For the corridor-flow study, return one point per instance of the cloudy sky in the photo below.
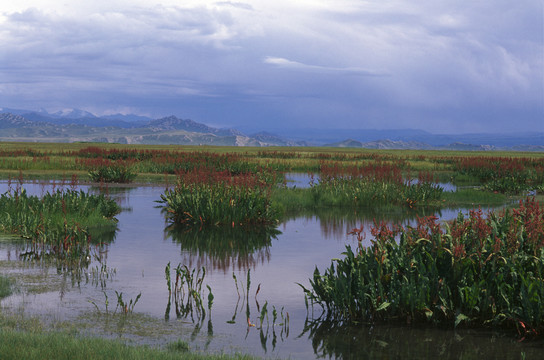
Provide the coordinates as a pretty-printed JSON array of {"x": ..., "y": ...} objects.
[{"x": 444, "y": 66}]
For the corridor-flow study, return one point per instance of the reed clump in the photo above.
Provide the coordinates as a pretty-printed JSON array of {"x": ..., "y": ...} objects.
[
  {"x": 60, "y": 223},
  {"x": 112, "y": 172},
  {"x": 206, "y": 197},
  {"x": 503, "y": 174},
  {"x": 376, "y": 184},
  {"x": 474, "y": 271}
]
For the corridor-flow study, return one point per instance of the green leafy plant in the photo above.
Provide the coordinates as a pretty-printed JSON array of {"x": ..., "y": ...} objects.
[
  {"x": 127, "y": 307},
  {"x": 475, "y": 271}
]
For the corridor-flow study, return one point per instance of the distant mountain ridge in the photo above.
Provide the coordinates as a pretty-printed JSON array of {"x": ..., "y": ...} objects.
[
  {"x": 173, "y": 123},
  {"x": 78, "y": 125},
  {"x": 36, "y": 126},
  {"x": 8, "y": 120},
  {"x": 382, "y": 144}
]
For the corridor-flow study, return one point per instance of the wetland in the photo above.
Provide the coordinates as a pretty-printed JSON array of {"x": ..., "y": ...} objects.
[{"x": 237, "y": 288}]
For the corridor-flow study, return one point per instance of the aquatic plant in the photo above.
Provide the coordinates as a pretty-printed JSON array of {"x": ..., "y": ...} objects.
[
  {"x": 5, "y": 286},
  {"x": 279, "y": 320},
  {"x": 109, "y": 172},
  {"x": 378, "y": 184},
  {"x": 187, "y": 293},
  {"x": 475, "y": 271},
  {"x": 503, "y": 174},
  {"x": 216, "y": 198},
  {"x": 127, "y": 307},
  {"x": 99, "y": 275},
  {"x": 61, "y": 223}
]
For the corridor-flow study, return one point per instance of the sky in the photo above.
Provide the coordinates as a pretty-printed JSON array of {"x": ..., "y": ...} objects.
[{"x": 443, "y": 66}]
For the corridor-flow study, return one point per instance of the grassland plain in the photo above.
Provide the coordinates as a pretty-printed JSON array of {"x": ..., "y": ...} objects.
[{"x": 56, "y": 159}]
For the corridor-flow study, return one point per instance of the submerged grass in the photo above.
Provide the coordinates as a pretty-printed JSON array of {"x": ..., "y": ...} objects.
[{"x": 5, "y": 286}]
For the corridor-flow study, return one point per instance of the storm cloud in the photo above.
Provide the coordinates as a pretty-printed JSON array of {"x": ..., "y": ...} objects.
[{"x": 440, "y": 66}]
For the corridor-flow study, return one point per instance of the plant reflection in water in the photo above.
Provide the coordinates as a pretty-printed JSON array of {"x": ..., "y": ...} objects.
[
  {"x": 337, "y": 340},
  {"x": 223, "y": 248}
]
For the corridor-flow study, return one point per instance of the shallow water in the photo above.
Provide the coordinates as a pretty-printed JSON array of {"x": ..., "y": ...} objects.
[{"x": 142, "y": 247}]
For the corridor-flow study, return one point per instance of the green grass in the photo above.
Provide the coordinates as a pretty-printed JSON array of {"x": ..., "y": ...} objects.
[
  {"x": 23, "y": 337},
  {"x": 5, "y": 286},
  {"x": 473, "y": 197},
  {"x": 52, "y": 345},
  {"x": 357, "y": 194},
  {"x": 66, "y": 158}
]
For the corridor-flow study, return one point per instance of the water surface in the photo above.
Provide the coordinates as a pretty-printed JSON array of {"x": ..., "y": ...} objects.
[{"x": 144, "y": 245}]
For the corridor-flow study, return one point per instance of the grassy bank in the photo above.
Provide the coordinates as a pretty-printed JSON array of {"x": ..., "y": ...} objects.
[
  {"x": 51, "y": 345},
  {"x": 23, "y": 337}
]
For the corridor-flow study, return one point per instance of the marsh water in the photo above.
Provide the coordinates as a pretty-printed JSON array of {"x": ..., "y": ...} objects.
[{"x": 132, "y": 261}]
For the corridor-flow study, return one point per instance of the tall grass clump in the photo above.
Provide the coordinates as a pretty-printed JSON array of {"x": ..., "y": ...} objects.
[
  {"x": 112, "y": 172},
  {"x": 61, "y": 223},
  {"x": 203, "y": 197},
  {"x": 376, "y": 184},
  {"x": 503, "y": 174},
  {"x": 476, "y": 271}
]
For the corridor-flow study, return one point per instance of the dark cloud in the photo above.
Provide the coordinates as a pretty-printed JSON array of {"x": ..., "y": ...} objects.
[{"x": 438, "y": 66}]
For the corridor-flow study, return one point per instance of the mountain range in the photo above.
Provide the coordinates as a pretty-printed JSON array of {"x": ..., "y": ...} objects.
[{"x": 78, "y": 125}]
